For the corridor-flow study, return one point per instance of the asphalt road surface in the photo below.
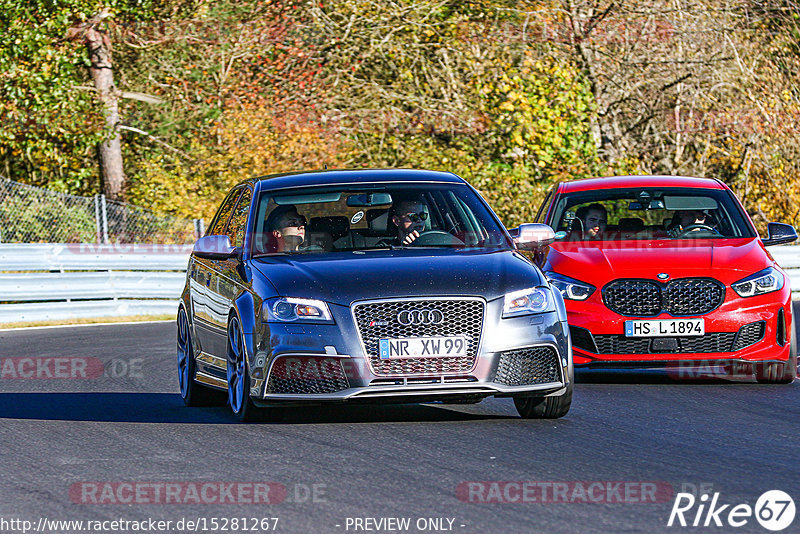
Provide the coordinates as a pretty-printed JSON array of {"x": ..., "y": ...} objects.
[{"x": 116, "y": 443}]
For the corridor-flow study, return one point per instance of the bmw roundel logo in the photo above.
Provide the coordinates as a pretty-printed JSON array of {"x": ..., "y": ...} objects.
[{"x": 663, "y": 276}]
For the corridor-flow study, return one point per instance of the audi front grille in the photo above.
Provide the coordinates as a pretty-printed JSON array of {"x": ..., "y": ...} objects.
[
  {"x": 648, "y": 298},
  {"x": 426, "y": 317}
]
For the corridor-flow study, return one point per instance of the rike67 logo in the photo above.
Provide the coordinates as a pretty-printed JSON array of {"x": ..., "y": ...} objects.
[{"x": 774, "y": 510}]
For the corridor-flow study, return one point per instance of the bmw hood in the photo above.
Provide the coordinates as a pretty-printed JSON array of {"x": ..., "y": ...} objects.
[
  {"x": 726, "y": 260},
  {"x": 341, "y": 278}
]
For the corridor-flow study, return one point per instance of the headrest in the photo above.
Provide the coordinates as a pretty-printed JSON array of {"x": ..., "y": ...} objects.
[
  {"x": 336, "y": 225},
  {"x": 378, "y": 219},
  {"x": 631, "y": 224}
]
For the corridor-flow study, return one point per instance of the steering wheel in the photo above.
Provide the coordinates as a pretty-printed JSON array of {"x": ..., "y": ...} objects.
[
  {"x": 311, "y": 248},
  {"x": 436, "y": 238},
  {"x": 698, "y": 227}
]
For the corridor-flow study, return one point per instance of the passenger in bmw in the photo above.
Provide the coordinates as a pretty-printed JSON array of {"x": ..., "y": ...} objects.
[
  {"x": 287, "y": 229},
  {"x": 593, "y": 219}
]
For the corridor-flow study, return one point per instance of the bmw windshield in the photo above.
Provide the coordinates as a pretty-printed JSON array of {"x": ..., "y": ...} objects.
[
  {"x": 359, "y": 217},
  {"x": 649, "y": 213}
]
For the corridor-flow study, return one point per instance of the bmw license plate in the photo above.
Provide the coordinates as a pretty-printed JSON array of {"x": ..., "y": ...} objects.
[
  {"x": 422, "y": 347},
  {"x": 665, "y": 328}
]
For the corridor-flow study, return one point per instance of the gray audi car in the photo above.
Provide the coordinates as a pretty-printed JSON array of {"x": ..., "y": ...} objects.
[{"x": 369, "y": 286}]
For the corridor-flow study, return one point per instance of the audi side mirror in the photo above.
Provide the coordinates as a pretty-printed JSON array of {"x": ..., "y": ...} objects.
[
  {"x": 533, "y": 236},
  {"x": 214, "y": 247},
  {"x": 779, "y": 233}
]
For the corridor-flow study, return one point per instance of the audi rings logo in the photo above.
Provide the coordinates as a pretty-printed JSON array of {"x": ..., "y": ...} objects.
[{"x": 418, "y": 317}]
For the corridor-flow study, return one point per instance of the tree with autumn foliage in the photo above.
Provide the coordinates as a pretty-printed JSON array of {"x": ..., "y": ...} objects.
[{"x": 511, "y": 95}]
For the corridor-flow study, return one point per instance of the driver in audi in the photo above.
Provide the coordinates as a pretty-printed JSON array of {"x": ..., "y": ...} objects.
[{"x": 409, "y": 217}]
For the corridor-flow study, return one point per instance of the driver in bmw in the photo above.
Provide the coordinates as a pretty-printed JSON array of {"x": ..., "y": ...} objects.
[
  {"x": 688, "y": 219},
  {"x": 409, "y": 217}
]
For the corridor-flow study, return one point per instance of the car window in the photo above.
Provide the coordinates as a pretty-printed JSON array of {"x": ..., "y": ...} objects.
[
  {"x": 649, "y": 213},
  {"x": 542, "y": 213},
  {"x": 238, "y": 221},
  {"x": 220, "y": 220},
  {"x": 355, "y": 218}
]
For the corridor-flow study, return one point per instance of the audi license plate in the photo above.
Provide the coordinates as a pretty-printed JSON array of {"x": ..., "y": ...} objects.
[
  {"x": 665, "y": 328},
  {"x": 422, "y": 347}
]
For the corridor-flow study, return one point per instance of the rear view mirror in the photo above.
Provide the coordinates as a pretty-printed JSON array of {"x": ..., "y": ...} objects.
[
  {"x": 532, "y": 236},
  {"x": 681, "y": 203},
  {"x": 779, "y": 233},
  {"x": 367, "y": 200},
  {"x": 214, "y": 247}
]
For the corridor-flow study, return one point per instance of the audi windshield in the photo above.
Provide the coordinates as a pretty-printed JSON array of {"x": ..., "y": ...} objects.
[{"x": 356, "y": 217}]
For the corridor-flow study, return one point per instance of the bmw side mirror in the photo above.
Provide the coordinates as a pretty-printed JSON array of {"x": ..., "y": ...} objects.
[
  {"x": 779, "y": 233},
  {"x": 532, "y": 236},
  {"x": 214, "y": 247}
]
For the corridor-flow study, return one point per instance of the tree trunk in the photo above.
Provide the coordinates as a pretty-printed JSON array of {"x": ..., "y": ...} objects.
[{"x": 110, "y": 150}]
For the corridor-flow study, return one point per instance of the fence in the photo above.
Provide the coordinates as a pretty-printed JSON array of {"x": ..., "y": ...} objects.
[
  {"x": 31, "y": 214},
  {"x": 86, "y": 280}
]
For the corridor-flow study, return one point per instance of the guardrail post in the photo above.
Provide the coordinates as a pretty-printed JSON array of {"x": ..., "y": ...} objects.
[
  {"x": 199, "y": 228},
  {"x": 105, "y": 218},
  {"x": 97, "y": 218}
]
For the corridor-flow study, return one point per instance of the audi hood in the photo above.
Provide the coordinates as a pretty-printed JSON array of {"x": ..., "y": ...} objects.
[{"x": 342, "y": 278}]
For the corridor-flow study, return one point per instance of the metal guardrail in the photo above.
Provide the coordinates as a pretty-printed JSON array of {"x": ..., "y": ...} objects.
[
  {"x": 90, "y": 257},
  {"x": 41, "y": 282},
  {"x": 78, "y": 281},
  {"x": 788, "y": 257}
]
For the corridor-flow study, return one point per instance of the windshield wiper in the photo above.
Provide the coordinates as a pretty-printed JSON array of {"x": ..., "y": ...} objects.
[{"x": 267, "y": 254}]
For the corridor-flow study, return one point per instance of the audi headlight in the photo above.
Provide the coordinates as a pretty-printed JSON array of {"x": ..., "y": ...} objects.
[
  {"x": 289, "y": 309},
  {"x": 766, "y": 281},
  {"x": 569, "y": 287},
  {"x": 527, "y": 301}
]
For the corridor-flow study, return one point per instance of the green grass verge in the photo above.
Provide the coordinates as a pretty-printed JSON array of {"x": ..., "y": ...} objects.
[{"x": 90, "y": 320}]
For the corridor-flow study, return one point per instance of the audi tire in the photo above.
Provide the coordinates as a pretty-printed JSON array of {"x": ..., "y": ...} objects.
[
  {"x": 192, "y": 392},
  {"x": 544, "y": 407}
]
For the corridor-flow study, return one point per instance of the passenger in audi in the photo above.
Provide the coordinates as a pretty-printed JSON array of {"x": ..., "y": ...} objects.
[
  {"x": 286, "y": 229},
  {"x": 592, "y": 220}
]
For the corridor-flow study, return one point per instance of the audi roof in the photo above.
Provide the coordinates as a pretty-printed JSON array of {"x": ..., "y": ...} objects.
[{"x": 349, "y": 176}]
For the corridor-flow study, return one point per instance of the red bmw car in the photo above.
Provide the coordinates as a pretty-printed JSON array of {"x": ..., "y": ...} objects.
[{"x": 664, "y": 271}]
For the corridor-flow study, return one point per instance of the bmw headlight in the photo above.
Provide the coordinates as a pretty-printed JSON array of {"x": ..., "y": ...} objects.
[
  {"x": 766, "y": 281},
  {"x": 570, "y": 288},
  {"x": 527, "y": 301},
  {"x": 289, "y": 309}
]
